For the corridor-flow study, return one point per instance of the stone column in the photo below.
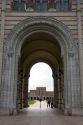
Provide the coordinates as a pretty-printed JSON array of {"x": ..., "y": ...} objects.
[
  {"x": 80, "y": 45},
  {"x": 11, "y": 82},
  {"x": 62, "y": 91},
  {"x": 25, "y": 90},
  {"x": 3, "y": 11},
  {"x": 67, "y": 86},
  {"x": 72, "y": 105},
  {"x": 18, "y": 92},
  {"x": 76, "y": 108},
  {"x": 11, "y": 110},
  {"x": 19, "y": 89},
  {"x": 55, "y": 76},
  {"x": 60, "y": 88}
]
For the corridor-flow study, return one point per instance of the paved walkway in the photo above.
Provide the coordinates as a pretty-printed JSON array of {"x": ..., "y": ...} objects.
[
  {"x": 38, "y": 105},
  {"x": 41, "y": 116}
]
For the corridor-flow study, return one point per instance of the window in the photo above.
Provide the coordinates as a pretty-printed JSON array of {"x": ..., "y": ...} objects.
[
  {"x": 44, "y": 6},
  {"x": 65, "y": 6},
  {"x": 30, "y": 4},
  {"x": 19, "y": 5},
  {"x": 37, "y": 5},
  {"x": 16, "y": 5},
  {"x": 58, "y": 5},
  {"x": 62, "y": 5},
  {"x": 51, "y": 4},
  {"x": 41, "y": 5}
]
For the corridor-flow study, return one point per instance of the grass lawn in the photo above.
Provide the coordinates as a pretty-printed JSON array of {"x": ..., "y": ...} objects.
[{"x": 31, "y": 101}]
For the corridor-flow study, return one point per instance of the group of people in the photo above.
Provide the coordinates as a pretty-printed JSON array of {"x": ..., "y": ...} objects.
[{"x": 50, "y": 104}]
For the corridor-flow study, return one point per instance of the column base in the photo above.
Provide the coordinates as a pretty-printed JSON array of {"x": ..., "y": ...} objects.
[
  {"x": 55, "y": 105},
  {"x": 77, "y": 111},
  {"x": 67, "y": 112},
  {"x": 59, "y": 106},
  {"x": 74, "y": 112},
  {"x": 4, "y": 111},
  {"x": 8, "y": 111},
  {"x": 13, "y": 111}
]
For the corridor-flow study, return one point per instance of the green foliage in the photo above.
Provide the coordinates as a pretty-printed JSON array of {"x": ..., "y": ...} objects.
[{"x": 31, "y": 101}]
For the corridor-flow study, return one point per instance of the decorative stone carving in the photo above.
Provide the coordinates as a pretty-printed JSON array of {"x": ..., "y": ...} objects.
[
  {"x": 40, "y": 20},
  {"x": 70, "y": 54},
  {"x": 10, "y": 52}
]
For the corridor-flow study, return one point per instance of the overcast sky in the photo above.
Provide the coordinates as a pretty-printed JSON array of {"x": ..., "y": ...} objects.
[{"x": 41, "y": 76}]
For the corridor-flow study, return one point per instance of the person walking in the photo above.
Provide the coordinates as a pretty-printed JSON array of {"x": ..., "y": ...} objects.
[
  {"x": 51, "y": 104},
  {"x": 48, "y": 103}
]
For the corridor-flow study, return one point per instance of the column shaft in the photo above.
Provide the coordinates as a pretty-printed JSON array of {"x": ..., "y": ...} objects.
[
  {"x": 79, "y": 25},
  {"x": 55, "y": 91}
]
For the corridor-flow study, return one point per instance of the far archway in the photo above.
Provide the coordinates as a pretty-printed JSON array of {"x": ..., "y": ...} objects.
[
  {"x": 41, "y": 75},
  {"x": 41, "y": 85}
]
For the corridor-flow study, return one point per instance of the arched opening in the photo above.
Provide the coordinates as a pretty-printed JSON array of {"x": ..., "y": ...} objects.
[
  {"x": 37, "y": 47},
  {"x": 41, "y": 39},
  {"x": 40, "y": 86}
]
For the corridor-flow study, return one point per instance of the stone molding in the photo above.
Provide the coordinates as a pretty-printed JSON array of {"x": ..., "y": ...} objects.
[{"x": 44, "y": 21}]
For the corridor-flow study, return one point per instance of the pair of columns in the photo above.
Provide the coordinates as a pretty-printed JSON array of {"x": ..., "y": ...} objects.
[
  {"x": 22, "y": 90},
  {"x": 58, "y": 90}
]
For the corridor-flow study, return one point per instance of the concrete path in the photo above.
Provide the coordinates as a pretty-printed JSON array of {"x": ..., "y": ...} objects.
[
  {"x": 38, "y": 105},
  {"x": 40, "y": 117}
]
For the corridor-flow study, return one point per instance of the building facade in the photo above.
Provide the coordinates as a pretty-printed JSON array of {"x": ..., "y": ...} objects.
[
  {"x": 49, "y": 31},
  {"x": 40, "y": 93}
]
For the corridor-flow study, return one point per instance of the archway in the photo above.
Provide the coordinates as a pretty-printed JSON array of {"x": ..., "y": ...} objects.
[
  {"x": 40, "y": 47},
  {"x": 40, "y": 87},
  {"x": 46, "y": 40}
]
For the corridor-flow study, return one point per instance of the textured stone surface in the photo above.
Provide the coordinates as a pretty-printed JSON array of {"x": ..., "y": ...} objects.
[{"x": 41, "y": 117}]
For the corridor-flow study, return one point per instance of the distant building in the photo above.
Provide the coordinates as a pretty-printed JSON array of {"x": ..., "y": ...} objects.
[{"x": 40, "y": 93}]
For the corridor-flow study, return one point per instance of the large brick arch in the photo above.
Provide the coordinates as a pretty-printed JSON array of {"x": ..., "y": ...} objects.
[
  {"x": 60, "y": 29},
  {"x": 11, "y": 55}
]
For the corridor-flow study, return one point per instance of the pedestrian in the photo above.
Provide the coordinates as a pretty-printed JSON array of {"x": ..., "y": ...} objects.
[
  {"x": 51, "y": 104},
  {"x": 48, "y": 103}
]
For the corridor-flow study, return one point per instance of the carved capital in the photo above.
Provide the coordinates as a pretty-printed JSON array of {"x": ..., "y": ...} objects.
[
  {"x": 10, "y": 52},
  {"x": 71, "y": 54}
]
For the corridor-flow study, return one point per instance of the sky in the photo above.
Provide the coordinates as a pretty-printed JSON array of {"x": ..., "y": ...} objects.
[{"x": 41, "y": 76}]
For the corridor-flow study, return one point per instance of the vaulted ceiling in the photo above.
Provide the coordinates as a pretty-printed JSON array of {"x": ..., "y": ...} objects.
[{"x": 38, "y": 47}]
